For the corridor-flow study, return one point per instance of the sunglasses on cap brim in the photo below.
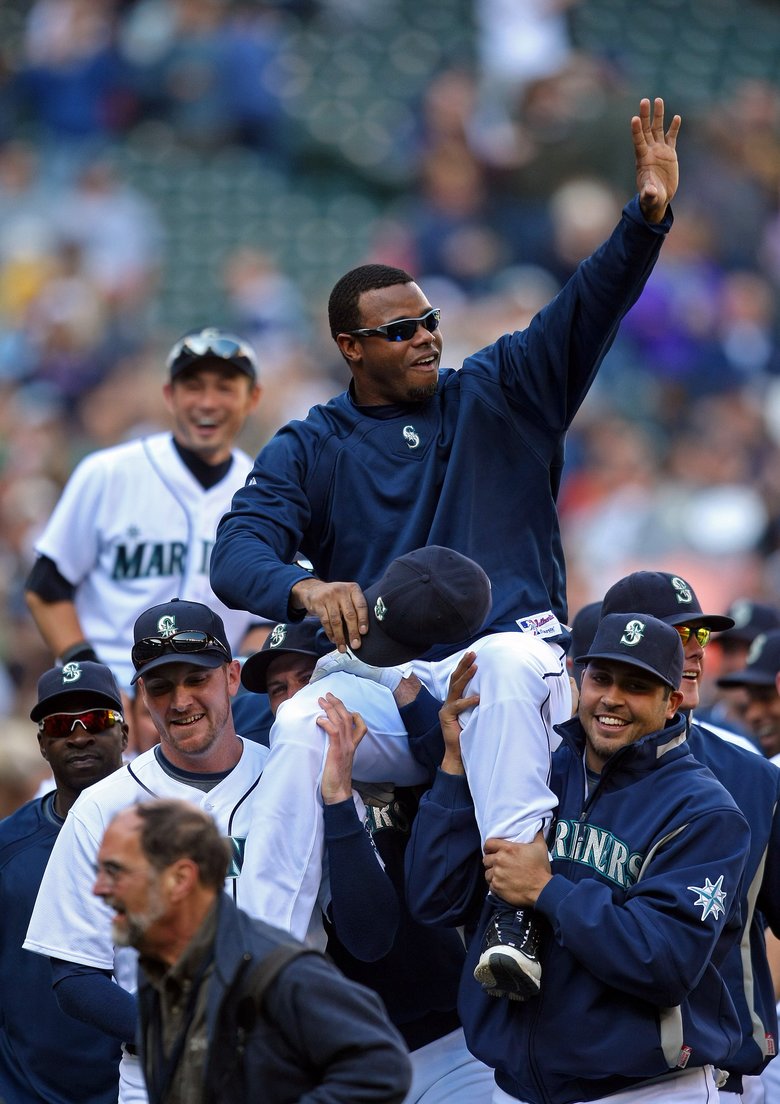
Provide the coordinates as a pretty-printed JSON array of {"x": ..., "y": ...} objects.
[
  {"x": 187, "y": 641},
  {"x": 220, "y": 346}
]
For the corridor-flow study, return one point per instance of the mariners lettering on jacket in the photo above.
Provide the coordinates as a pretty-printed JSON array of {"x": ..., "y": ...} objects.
[
  {"x": 633, "y": 633},
  {"x": 712, "y": 897},
  {"x": 684, "y": 595},
  {"x": 158, "y": 558},
  {"x": 278, "y": 634},
  {"x": 71, "y": 672},
  {"x": 599, "y": 849},
  {"x": 411, "y": 436},
  {"x": 380, "y": 609}
]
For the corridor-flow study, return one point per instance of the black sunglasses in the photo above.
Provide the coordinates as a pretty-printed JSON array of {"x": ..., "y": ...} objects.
[
  {"x": 404, "y": 329},
  {"x": 184, "y": 642},
  {"x": 212, "y": 343}
]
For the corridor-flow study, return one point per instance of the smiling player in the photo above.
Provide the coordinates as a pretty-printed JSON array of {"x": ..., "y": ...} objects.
[{"x": 136, "y": 522}]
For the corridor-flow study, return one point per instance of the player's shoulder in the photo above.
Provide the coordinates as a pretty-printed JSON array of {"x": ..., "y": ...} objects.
[
  {"x": 728, "y": 739},
  {"x": 22, "y": 826},
  {"x": 122, "y": 453},
  {"x": 253, "y": 757},
  {"x": 750, "y": 778},
  {"x": 242, "y": 461},
  {"x": 103, "y": 799}
]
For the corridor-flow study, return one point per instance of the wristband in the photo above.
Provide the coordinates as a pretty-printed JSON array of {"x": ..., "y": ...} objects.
[{"x": 80, "y": 651}]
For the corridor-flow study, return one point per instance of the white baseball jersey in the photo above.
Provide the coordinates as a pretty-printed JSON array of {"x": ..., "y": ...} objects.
[
  {"x": 135, "y": 528},
  {"x": 69, "y": 922}
]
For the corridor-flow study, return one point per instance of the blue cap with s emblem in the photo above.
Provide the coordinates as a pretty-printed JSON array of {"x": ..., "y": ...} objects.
[
  {"x": 86, "y": 678},
  {"x": 669, "y": 597},
  {"x": 305, "y": 637},
  {"x": 639, "y": 641}
]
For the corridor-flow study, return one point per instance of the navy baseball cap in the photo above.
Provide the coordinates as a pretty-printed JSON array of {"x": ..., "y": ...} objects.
[
  {"x": 668, "y": 597},
  {"x": 640, "y": 641},
  {"x": 305, "y": 637},
  {"x": 750, "y": 619},
  {"x": 433, "y": 595},
  {"x": 58, "y": 685},
  {"x": 583, "y": 627},
  {"x": 178, "y": 632},
  {"x": 212, "y": 344},
  {"x": 761, "y": 665}
]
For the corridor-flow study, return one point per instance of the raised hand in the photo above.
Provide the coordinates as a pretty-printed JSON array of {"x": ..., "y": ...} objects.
[
  {"x": 657, "y": 171},
  {"x": 345, "y": 731},
  {"x": 454, "y": 705}
]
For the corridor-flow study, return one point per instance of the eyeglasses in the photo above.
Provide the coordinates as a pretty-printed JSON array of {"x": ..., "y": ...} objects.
[
  {"x": 93, "y": 721},
  {"x": 214, "y": 343},
  {"x": 702, "y": 634},
  {"x": 405, "y": 328},
  {"x": 186, "y": 641}
]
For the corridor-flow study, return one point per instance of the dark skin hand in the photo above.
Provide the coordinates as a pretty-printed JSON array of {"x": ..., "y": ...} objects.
[
  {"x": 657, "y": 171},
  {"x": 340, "y": 607}
]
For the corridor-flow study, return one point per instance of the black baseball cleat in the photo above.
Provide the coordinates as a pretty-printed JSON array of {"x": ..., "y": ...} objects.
[{"x": 509, "y": 963}]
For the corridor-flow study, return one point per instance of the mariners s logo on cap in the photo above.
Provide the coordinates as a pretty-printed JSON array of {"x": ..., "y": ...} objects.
[
  {"x": 684, "y": 593},
  {"x": 71, "y": 672},
  {"x": 166, "y": 626},
  {"x": 380, "y": 610},
  {"x": 755, "y": 650},
  {"x": 633, "y": 633},
  {"x": 278, "y": 634}
]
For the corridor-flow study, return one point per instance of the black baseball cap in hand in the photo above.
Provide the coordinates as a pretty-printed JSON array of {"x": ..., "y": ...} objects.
[
  {"x": 639, "y": 641},
  {"x": 305, "y": 637},
  {"x": 761, "y": 666},
  {"x": 58, "y": 686},
  {"x": 178, "y": 632},
  {"x": 431, "y": 596},
  {"x": 663, "y": 595}
]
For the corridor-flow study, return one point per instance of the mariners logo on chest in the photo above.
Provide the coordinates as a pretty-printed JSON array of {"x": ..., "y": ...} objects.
[
  {"x": 145, "y": 559},
  {"x": 598, "y": 849}
]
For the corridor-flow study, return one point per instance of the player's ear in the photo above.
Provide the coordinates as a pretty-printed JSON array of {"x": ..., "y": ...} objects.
[
  {"x": 255, "y": 394},
  {"x": 350, "y": 347},
  {"x": 42, "y": 748}
]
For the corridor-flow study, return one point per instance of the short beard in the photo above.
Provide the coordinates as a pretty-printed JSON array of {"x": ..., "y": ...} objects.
[
  {"x": 420, "y": 394},
  {"x": 133, "y": 933}
]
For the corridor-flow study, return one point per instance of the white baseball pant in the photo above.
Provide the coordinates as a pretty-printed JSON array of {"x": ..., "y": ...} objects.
[
  {"x": 696, "y": 1086},
  {"x": 506, "y": 742},
  {"x": 446, "y": 1072}
]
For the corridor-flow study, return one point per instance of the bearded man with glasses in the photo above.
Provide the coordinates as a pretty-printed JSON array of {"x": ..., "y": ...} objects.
[
  {"x": 45, "y": 1054},
  {"x": 136, "y": 522},
  {"x": 183, "y": 661}
]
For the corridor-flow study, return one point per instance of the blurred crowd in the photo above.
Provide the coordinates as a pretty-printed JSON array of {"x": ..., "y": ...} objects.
[{"x": 512, "y": 165}]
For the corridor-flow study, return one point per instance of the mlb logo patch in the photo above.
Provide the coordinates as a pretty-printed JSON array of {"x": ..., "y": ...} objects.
[{"x": 684, "y": 1058}]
